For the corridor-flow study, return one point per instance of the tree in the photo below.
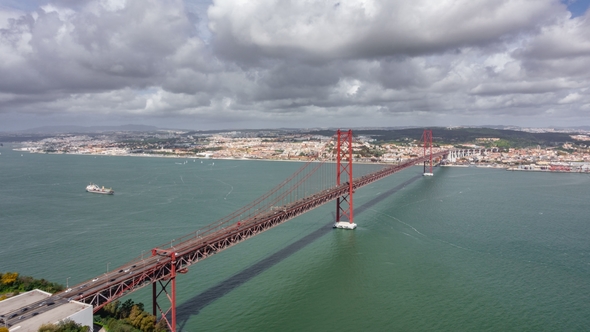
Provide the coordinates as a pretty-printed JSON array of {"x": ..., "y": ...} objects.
[
  {"x": 148, "y": 323},
  {"x": 9, "y": 277},
  {"x": 161, "y": 326},
  {"x": 112, "y": 309},
  {"x": 126, "y": 307},
  {"x": 12, "y": 282},
  {"x": 131, "y": 318},
  {"x": 47, "y": 328},
  {"x": 66, "y": 325},
  {"x": 135, "y": 316}
]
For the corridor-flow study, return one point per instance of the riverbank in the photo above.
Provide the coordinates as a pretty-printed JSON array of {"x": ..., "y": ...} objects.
[
  {"x": 558, "y": 168},
  {"x": 583, "y": 171}
]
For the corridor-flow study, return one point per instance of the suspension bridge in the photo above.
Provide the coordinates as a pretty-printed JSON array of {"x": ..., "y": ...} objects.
[{"x": 317, "y": 182}]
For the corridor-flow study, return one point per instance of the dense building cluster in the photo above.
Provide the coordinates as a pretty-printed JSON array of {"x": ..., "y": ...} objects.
[{"x": 277, "y": 145}]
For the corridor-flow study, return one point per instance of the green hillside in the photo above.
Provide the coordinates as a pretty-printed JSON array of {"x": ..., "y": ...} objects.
[{"x": 458, "y": 136}]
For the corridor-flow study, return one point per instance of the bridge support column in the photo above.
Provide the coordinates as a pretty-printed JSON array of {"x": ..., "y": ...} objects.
[
  {"x": 168, "y": 315},
  {"x": 427, "y": 138},
  {"x": 344, "y": 204}
]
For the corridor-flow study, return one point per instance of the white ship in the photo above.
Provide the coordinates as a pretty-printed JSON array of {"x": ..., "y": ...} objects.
[{"x": 92, "y": 188}]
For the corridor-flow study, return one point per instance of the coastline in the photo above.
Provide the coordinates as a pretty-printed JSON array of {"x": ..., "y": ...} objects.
[
  {"x": 547, "y": 170},
  {"x": 195, "y": 157},
  {"x": 143, "y": 155}
]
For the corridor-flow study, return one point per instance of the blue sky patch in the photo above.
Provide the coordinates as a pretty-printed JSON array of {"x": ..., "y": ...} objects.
[{"x": 577, "y": 7}]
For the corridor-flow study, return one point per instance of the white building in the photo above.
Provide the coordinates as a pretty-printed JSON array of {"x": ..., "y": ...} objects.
[{"x": 28, "y": 311}]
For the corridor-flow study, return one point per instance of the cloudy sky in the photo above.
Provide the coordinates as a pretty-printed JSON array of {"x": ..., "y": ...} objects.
[{"x": 230, "y": 64}]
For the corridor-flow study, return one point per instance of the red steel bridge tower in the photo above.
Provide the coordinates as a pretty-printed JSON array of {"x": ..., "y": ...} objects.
[
  {"x": 167, "y": 288},
  {"x": 427, "y": 139},
  {"x": 344, "y": 206}
]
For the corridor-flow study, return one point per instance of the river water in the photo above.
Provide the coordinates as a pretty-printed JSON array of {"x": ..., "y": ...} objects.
[{"x": 469, "y": 249}]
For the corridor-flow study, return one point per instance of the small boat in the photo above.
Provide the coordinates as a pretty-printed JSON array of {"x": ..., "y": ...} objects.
[{"x": 93, "y": 188}]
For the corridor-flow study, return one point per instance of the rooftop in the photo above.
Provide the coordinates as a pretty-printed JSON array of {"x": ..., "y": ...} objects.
[{"x": 30, "y": 310}]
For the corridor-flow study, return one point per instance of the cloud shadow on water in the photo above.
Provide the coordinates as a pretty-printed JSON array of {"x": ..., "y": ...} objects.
[{"x": 194, "y": 305}]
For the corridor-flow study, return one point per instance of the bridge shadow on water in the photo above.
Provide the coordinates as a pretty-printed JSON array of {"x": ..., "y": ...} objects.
[{"x": 194, "y": 305}]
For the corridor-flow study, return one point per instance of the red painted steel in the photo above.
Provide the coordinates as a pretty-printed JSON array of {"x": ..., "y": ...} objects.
[
  {"x": 164, "y": 264},
  {"x": 427, "y": 139},
  {"x": 344, "y": 206},
  {"x": 170, "y": 296}
]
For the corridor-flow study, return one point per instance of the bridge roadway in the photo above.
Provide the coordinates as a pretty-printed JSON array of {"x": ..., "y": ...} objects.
[{"x": 141, "y": 272}]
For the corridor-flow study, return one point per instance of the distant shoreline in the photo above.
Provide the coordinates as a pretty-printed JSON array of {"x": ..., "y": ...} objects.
[
  {"x": 187, "y": 157},
  {"x": 194, "y": 157}
]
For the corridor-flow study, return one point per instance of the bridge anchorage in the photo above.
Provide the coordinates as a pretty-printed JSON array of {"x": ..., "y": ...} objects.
[{"x": 316, "y": 183}]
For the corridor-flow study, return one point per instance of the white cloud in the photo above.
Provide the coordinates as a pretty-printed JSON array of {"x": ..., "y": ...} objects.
[
  {"x": 320, "y": 29},
  {"x": 295, "y": 63},
  {"x": 570, "y": 98}
]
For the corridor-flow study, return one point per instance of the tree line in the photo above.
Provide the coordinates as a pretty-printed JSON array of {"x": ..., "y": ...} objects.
[
  {"x": 11, "y": 283},
  {"x": 128, "y": 317}
]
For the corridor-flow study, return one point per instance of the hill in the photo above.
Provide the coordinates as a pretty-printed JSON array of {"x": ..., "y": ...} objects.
[{"x": 455, "y": 136}]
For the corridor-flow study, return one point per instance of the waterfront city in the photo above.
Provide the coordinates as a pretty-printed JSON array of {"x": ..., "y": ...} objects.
[{"x": 572, "y": 156}]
